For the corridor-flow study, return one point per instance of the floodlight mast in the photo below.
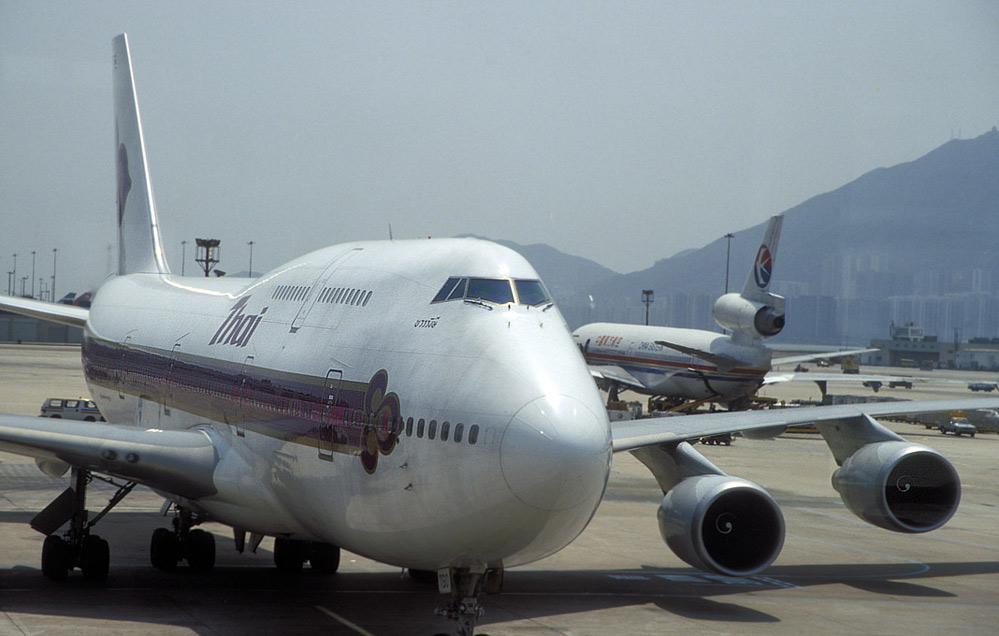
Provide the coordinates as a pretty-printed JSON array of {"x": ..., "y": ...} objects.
[{"x": 208, "y": 254}]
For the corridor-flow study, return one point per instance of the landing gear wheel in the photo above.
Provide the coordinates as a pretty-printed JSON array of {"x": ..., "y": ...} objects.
[
  {"x": 95, "y": 558},
  {"x": 289, "y": 555},
  {"x": 164, "y": 550},
  {"x": 324, "y": 558},
  {"x": 201, "y": 550},
  {"x": 55, "y": 558}
]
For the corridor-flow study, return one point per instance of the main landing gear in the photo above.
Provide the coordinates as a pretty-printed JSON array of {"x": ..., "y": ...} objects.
[
  {"x": 168, "y": 547},
  {"x": 77, "y": 548},
  {"x": 290, "y": 555},
  {"x": 465, "y": 586}
]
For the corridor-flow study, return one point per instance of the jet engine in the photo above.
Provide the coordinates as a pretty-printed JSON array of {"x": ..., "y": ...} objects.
[
  {"x": 899, "y": 486},
  {"x": 741, "y": 315},
  {"x": 722, "y": 524}
]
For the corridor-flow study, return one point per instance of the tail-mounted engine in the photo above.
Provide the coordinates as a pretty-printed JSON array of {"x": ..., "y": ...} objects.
[
  {"x": 722, "y": 524},
  {"x": 749, "y": 317},
  {"x": 899, "y": 486}
]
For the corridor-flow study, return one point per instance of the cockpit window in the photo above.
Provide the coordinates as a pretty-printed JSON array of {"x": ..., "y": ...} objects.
[
  {"x": 494, "y": 290},
  {"x": 501, "y": 291},
  {"x": 459, "y": 290},
  {"x": 446, "y": 289},
  {"x": 531, "y": 292}
]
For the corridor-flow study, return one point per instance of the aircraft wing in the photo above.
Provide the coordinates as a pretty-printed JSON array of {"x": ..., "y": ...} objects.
[
  {"x": 179, "y": 462},
  {"x": 720, "y": 360},
  {"x": 633, "y": 434},
  {"x": 614, "y": 373},
  {"x": 776, "y": 376},
  {"x": 53, "y": 312},
  {"x": 808, "y": 357}
]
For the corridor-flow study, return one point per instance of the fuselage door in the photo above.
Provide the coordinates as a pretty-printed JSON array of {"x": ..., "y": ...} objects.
[
  {"x": 330, "y": 414},
  {"x": 171, "y": 381},
  {"x": 123, "y": 367},
  {"x": 317, "y": 288},
  {"x": 244, "y": 397}
]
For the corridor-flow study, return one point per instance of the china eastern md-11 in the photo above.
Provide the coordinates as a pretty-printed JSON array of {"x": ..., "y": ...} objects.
[
  {"x": 421, "y": 403},
  {"x": 687, "y": 367}
]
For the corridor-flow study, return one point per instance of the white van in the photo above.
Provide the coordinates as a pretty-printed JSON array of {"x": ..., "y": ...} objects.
[{"x": 71, "y": 409}]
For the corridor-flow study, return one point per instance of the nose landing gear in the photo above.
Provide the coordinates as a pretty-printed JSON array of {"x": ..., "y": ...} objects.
[{"x": 465, "y": 586}]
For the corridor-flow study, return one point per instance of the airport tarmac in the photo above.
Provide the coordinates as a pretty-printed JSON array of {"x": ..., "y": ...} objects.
[{"x": 835, "y": 575}]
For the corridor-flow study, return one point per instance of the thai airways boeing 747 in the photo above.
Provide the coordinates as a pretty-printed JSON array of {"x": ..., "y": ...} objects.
[{"x": 421, "y": 403}]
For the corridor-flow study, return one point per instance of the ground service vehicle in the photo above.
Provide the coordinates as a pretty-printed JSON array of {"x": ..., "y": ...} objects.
[
  {"x": 958, "y": 426},
  {"x": 71, "y": 409}
]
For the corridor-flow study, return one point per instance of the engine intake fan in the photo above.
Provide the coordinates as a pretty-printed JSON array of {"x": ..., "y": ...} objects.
[{"x": 722, "y": 524}]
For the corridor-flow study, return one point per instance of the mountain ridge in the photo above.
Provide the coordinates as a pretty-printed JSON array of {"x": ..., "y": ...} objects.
[{"x": 885, "y": 246}]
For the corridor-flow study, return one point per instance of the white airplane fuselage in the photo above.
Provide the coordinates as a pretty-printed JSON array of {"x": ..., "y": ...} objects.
[
  {"x": 330, "y": 382},
  {"x": 665, "y": 371}
]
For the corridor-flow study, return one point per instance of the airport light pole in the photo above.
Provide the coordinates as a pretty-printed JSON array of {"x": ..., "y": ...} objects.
[
  {"x": 13, "y": 291},
  {"x": 251, "y": 258},
  {"x": 55, "y": 251},
  {"x": 728, "y": 252},
  {"x": 183, "y": 256},
  {"x": 32, "y": 273},
  {"x": 648, "y": 297},
  {"x": 208, "y": 254}
]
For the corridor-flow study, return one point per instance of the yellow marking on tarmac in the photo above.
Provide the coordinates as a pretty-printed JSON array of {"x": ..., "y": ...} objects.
[{"x": 357, "y": 628}]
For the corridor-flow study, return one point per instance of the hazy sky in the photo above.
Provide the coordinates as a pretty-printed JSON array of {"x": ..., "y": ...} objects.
[{"x": 619, "y": 131}]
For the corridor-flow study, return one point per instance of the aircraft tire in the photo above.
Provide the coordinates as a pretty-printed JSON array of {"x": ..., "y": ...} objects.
[
  {"x": 95, "y": 558},
  {"x": 55, "y": 558},
  {"x": 201, "y": 550},
  {"x": 289, "y": 555},
  {"x": 164, "y": 550},
  {"x": 324, "y": 558}
]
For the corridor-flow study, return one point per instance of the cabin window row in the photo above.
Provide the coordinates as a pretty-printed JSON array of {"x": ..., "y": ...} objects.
[
  {"x": 445, "y": 431},
  {"x": 333, "y": 295},
  {"x": 290, "y": 292},
  {"x": 345, "y": 296}
]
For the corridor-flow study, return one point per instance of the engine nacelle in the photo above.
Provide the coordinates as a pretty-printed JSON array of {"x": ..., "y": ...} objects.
[
  {"x": 740, "y": 315},
  {"x": 722, "y": 524},
  {"x": 899, "y": 486}
]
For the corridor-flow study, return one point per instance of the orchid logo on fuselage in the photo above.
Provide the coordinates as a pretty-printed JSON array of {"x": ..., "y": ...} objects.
[
  {"x": 238, "y": 327},
  {"x": 763, "y": 267}
]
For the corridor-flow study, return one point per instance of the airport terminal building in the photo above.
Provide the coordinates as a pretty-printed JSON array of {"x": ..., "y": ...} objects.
[{"x": 909, "y": 346}]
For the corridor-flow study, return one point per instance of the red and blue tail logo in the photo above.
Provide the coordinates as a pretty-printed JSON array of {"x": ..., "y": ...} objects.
[{"x": 763, "y": 267}]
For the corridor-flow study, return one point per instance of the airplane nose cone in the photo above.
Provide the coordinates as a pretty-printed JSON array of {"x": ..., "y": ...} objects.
[{"x": 555, "y": 454}]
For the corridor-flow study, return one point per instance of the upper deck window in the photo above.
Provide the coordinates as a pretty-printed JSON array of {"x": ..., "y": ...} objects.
[{"x": 501, "y": 291}]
